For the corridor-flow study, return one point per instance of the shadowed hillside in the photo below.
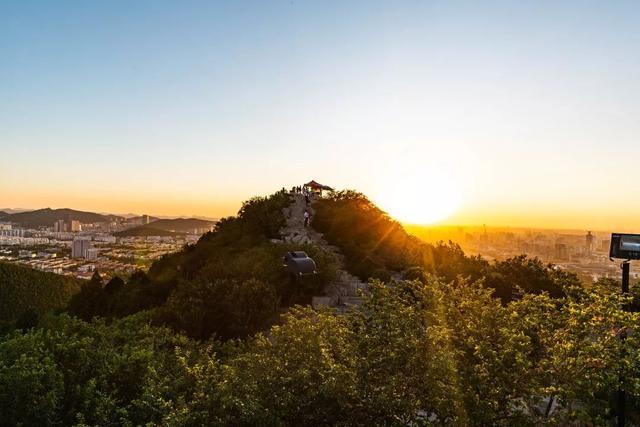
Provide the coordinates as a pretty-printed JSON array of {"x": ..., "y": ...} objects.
[
  {"x": 167, "y": 227},
  {"x": 27, "y": 294},
  {"x": 146, "y": 231}
]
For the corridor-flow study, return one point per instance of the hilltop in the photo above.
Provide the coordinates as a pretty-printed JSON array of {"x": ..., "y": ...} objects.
[
  {"x": 350, "y": 239},
  {"x": 46, "y": 217},
  {"x": 167, "y": 227}
]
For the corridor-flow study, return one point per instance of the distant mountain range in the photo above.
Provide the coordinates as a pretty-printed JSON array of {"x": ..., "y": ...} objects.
[
  {"x": 143, "y": 231},
  {"x": 167, "y": 227},
  {"x": 138, "y": 218},
  {"x": 133, "y": 216},
  {"x": 46, "y": 217},
  {"x": 14, "y": 210}
]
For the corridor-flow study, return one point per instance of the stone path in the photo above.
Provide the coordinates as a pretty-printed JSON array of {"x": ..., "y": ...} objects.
[{"x": 343, "y": 292}]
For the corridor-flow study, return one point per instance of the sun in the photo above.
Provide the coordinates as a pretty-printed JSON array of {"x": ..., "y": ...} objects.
[{"x": 420, "y": 201}]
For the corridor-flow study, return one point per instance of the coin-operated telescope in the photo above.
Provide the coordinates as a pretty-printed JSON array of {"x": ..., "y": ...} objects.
[
  {"x": 299, "y": 264},
  {"x": 625, "y": 247}
]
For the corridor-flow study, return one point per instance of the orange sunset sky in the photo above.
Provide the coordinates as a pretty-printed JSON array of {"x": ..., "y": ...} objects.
[{"x": 505, "y": 114}]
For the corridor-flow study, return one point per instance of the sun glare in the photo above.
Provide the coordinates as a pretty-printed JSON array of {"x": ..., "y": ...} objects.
[{"x": 424, "y": 200}]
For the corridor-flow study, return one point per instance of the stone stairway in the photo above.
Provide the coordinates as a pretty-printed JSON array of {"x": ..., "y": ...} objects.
[{"x": 343, "y": 292}]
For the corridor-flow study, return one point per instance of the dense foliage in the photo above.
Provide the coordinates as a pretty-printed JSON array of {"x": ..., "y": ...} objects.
[
  {"x": 414, "y": 353},
  {"x": 70, "y": 372},
  {"x": 213, "y": 335},
  {"x": 230, "y": 284},
  {"x": 375, "y": 245},
  {"x": 372, "y": 242},
  {"x": 26, "y": 294}
]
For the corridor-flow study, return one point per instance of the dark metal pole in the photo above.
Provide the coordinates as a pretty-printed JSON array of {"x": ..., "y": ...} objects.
[
  {"x": 625, "y": 277},
  {"x": 623, "y": 335}
]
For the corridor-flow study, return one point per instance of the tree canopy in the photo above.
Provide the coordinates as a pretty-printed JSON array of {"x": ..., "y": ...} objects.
[{"x": 413, "y": 353}]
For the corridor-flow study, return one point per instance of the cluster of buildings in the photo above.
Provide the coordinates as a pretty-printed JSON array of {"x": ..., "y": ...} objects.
[
  {"x": 73, "y": 248},
  {"x": 585, "y": 253},
  {"x": 70, "y": 225},
  {"x": 82, "y": 248},
  {"x": 7, "y": 230}
]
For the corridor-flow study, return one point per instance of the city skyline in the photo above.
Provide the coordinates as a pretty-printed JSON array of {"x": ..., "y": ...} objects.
[{"x": 520, "y": 115}]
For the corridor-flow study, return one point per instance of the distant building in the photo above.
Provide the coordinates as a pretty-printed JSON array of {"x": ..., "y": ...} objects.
[
  {"x": 605, "y": 244},
  {"x": 25, "y": 254},
  {"x": 107, "y": 238},
  {"x": 60, "y": 226},
  {"x": 200, "y": 231},
  {"x": 74, "y": 226},
  {"x": 15, "y": 232},
  {"x": 79, "y": 247},
  {"x": 589, "y": 238},
  {"x": 91, "y": 253},
  {"x": 145, "y": 219},
  {"x": 561, "y": 251}
]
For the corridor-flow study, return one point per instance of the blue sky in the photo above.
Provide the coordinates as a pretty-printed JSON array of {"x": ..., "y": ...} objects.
[{"x": 191, "y": 107}]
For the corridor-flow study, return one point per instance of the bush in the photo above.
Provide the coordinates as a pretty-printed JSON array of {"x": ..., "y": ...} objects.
[
  {"x": 73, "y": 372},
  {"x": 221, "y": 308}
]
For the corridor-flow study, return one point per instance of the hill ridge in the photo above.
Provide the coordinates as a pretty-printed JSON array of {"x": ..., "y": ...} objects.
[
  {"x": 47, "y": 216},
  {"x": 167, "y": 227}
]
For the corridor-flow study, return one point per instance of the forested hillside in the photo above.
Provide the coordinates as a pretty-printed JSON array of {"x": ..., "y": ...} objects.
[
  {"x": 26, "y": 294},
  {"x": 166, "y": 227},
  {"x": 141, "y": 231},
  {"x": 229, "y": 285},
  {"x": 375, "y": 245},
  {"x": 220, "y": 334}
]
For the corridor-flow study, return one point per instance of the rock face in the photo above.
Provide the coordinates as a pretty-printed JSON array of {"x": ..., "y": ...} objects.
[{"x": 341, "y": 294}]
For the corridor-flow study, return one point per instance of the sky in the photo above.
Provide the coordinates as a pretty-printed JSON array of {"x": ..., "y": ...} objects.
[{"x": 521, "y": 113}]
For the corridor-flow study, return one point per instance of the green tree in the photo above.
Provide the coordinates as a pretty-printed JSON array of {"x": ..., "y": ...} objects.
[
  {"x": 90, "y": 301},
  {"x": 522, "y": 274},
  {"x": 223, "y": 308},
  {"x": 302, "y": 373},
  {"x": 404, "y": 361}
]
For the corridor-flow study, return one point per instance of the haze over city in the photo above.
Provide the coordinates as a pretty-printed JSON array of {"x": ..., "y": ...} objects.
[{"x": 505, "y": 113}]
